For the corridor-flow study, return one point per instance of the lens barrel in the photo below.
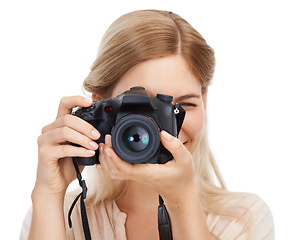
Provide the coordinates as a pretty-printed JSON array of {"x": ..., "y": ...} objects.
[{"x": 135, "y": 138}]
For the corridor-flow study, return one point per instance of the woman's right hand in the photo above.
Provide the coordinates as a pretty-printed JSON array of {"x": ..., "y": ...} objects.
[{"x": 55, "y": 169}]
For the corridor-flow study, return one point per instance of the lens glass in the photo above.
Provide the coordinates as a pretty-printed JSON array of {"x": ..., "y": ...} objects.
[{"x": 135, "y": 138}]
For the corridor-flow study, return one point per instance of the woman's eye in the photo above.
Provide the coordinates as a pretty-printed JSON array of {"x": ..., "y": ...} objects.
[{"x": 188, "y": 104}]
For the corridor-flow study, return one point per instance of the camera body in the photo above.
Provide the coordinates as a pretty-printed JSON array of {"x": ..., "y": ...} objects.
[{"x": 134, "y": 119}]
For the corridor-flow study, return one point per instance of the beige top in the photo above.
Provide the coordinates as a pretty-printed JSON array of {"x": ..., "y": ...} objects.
[{"x": 107, "y": 222}]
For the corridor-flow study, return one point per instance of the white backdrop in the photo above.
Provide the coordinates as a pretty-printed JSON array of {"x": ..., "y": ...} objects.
[{"x": 47, "y": 48}]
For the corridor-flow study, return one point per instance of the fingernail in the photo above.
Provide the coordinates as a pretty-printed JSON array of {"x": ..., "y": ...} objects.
[
  {"x": 95, "y": 134},
  {"x": 107, "y": 139},
  {"x": 98, "y": 166},
  {"x": 87, "y": 100},
  {"x": 100, "y": 149},
  {"x": 90, "y": 152},
  {"x": 93, "y": 145},
  {"x": 166, "y": 135}
]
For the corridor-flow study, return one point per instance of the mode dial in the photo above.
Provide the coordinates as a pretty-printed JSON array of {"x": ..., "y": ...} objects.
[{"x": 137, "y": 88}]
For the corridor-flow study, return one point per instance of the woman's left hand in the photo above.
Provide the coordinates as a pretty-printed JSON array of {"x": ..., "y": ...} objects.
[{"x": 172, "y": 180}]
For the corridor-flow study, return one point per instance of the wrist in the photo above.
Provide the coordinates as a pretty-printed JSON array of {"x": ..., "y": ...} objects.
[
  {"x": 41, "y": 193},
  {"x": 182, "y": 200},
  {"x": 187, "y": 216},
  {"x": 48, "y": 220}
]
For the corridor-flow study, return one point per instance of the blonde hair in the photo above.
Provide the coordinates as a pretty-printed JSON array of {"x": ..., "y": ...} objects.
[
  {"x": 144, "y": 35},
  {"x": 139, "y": 36}
]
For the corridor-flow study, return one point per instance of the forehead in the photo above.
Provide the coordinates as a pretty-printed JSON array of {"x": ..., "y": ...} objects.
[{"x": 167, "y": 75}]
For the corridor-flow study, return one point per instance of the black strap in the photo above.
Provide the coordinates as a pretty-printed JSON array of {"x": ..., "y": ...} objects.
[
  {"x": 164, "y": 224},
  {"x": 82, "y": 196}
]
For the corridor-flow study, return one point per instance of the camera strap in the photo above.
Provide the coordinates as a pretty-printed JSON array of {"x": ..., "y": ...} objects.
[
  {"x": 164, "y": 225},
  {"x": 82, "y": 196}
]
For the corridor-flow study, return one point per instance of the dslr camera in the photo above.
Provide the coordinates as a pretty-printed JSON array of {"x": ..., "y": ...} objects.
[{"x": 134, "y": 119}]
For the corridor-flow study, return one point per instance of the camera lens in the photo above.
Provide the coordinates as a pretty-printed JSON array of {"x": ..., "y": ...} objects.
[{"x": 135, "y": 138}]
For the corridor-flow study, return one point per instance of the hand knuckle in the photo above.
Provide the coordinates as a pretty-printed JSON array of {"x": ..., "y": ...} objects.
[
  {"x": 62, "y": 101},
  {"x": 39, "y": 140},
  {"x": 128, "y": 172},
  {"x": 114, "y": 172},
  {"x": 110, "y": 175},
  {"x": 64, "y": 131},
  {"x": 176, "y": 144},
  {"x": 44, "y": 129},
  {"x": 63, "y": 150},
  {"x": 65, "y": 120},
  {"x": 42, "y": 152},
  {"x": 115, "y": 177}
]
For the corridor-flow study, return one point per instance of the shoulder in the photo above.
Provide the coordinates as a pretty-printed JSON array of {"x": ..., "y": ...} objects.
[
  {"x": 26, "y": 225},
  {"x": 105, "y": 220},
  {"x": 252, "y": 219},
  {"x": 259, "y": 214}
]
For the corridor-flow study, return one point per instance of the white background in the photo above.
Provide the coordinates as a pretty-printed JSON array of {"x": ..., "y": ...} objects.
[{"x": 47, "y": 48}]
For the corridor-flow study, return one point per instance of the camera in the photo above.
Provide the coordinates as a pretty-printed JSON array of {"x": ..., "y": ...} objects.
[{"x": 134, "y": 119}]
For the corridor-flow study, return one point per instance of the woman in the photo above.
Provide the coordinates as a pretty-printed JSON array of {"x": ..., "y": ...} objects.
[{"x": 161, "y": 52}]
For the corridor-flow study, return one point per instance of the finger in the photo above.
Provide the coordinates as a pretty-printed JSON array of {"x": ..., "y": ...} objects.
[
  {"x": 175, "y": 146},
  {"x": 62, "y": 151},
  {"x": 75, "y": 123},
  {"x": 123, "y": 170},
  {"x": 112, "y": 169},
  {"x": 66, "y": 134},
  {"x": 98, "y": 166},
  {"x": 138, "y": 172},
  {"x": 107, "y": 141},
  {"x": 116, "y": 166},
  {"x": 68, "y": 103},
  {"x": 102, "y": 158}
]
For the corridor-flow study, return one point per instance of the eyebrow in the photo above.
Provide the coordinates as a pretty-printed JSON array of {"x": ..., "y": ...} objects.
[{"x": 188, "y": 96}]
